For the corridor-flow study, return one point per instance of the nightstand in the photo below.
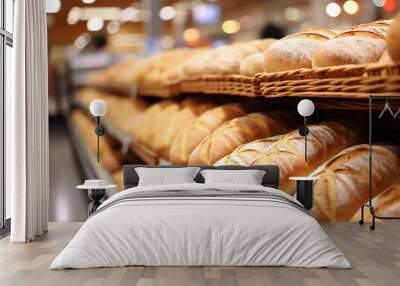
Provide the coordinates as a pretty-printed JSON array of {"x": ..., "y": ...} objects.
[
  {"x": 96, "y": 192},
  {"x": 304, "y": 193}
]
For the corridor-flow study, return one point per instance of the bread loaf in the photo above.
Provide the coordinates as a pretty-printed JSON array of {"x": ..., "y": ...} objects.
[
  {"x": 324, "y": 141},
  {"x": 361, "y": 45},
  {"x": 386, "y": 204},
  {"x": 189, "y": 110},
  {"x": 393, "y": 39},
  {"x": 247, "y": 153},
  {"x": 118, "y": 178},
  {"x": 343, "y": 181},
  {"x": 238, "y": 131},
  {"x": 252, "y": 64},
  {"x": 145, "y": 125},
  {"x": 191, "y": 135},
  {"x": 295, "y": 51},
  {"x": 109, "y": 158}
]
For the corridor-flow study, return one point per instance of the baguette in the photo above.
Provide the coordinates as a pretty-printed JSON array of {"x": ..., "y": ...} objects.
[
  {"x": 191, "y": 135},
  {"x": 247, "y": 153},
  {"x": 295, "y": 51},
  {"x": 324, "y": 141},
  {"x": 393, "y": 40},
  {"x": 386, "y": 204},
  {"x": 343, "y": 180},
  {"x": 235, "y": 132},
  {"x": 189, "y": 110}
]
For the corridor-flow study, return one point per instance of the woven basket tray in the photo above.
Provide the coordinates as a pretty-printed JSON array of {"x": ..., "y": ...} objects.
[
  {"x": 216, "y": 84},
  {"x": 164, "y": 91},
  {"x": 351, "y": 81}
]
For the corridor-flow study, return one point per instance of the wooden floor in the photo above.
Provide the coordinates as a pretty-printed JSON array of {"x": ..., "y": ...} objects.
[{"x": 375, "y": 257}]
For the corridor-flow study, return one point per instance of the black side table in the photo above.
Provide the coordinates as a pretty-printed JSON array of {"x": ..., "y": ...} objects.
[
  {"x": 304, "y": 193},
  {"x": 96, "y": 192}
]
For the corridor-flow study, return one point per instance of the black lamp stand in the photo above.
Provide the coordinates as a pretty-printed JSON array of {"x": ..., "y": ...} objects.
[
  {"x": 99, "y": 132},
  {"x": 303, "y": 131}
]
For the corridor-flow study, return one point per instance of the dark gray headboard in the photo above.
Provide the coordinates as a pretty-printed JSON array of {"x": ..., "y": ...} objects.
[{"x": 271, "y": 177}]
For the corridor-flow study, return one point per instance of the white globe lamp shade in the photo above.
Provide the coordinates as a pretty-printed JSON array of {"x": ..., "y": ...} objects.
[
  {"x": 305, "y": 107},
  {"x": 98, "y": 107}
]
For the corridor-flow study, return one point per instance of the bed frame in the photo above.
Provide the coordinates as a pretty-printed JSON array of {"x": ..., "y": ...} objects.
[{"x": 270, "y": 179}]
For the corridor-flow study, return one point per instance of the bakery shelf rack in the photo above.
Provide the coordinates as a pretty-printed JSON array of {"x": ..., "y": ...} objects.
[{"x": 369, "y": 204}]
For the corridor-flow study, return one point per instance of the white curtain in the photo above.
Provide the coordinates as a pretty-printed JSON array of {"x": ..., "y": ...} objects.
[{"x": 27, "y": 156}]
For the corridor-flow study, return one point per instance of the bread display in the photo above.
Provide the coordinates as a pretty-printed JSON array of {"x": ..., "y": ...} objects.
[
  {"x": 108, "y": 157},
  {"x": 343, "y": 180},
  {"x": 386, "y": 204},
  {"x": 252, "y": 64},
  {"x": 295, "y": 51},
  {"x": 189, "y": 109},
  {"x": 238, "y": 131},
  {"x": 190, "y": 136},
  {"x": 247, "y": 153},
  {"x": 324, "y": 141},
  {"x": 118, "y": 178},
  {"x": 362, "y": 44},
  {"x": 121, "y": 111},
  {"x": 393, "y": 40}
]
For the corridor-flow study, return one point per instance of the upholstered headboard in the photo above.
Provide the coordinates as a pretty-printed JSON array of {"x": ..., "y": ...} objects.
[{"x": 271, "y": 177}]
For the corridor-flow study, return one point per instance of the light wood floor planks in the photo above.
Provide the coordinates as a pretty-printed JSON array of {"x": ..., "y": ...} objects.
[{"x": 375, "y": 257}]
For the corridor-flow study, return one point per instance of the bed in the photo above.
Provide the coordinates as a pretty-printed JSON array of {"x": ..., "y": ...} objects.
[{"x": 198, "y": 224}]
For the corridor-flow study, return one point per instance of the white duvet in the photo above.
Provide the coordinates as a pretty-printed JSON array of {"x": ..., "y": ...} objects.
[{"x": 192, "y": 231}]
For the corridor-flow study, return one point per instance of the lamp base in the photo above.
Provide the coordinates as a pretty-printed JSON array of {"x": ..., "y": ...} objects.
[{"x": 303, "y": 130}]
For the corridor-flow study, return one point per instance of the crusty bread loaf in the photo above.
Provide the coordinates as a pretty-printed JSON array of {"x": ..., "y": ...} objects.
[
  {"x": 238, "y": 131},
  {"x": 386, "y": 204},
  {"x": 324, "y": 141},
  {"x": 252, "y": 64},
  {"x": 118, "y": 178},
  {"x": 295, "y": 51},
  {"x": 393, "y": 39},
  {"x": 385, "y": 59},
  {"x": 343, "y": 181},
  {"x": 189, "y": 109},
  {"x": 144, "y": 127},
  {"x": 190, "y": 136},
  {"x": 362, "y": 44},
  {"x": 247, "y": 153},
  {"x": 109, "y": 158}
]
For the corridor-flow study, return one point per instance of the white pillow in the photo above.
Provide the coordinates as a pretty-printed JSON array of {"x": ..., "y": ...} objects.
[
  {"x": 248, "y": 177},
  {"x": 164, "y": 176}
]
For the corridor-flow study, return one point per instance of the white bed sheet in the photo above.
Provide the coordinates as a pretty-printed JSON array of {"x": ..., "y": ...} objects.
[{"x": 200, "y": 232}]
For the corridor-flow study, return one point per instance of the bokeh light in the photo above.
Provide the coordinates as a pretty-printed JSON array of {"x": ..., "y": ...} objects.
[{"x": 230, "y": 26}]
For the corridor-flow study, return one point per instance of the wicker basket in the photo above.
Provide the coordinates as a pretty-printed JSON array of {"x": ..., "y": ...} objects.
[
  {"x": 351, "y": 81},
  {"x": 163, "y": 91}
]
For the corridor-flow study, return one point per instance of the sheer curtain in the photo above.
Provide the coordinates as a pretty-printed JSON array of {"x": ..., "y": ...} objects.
[{"x": 27, "y": 146}]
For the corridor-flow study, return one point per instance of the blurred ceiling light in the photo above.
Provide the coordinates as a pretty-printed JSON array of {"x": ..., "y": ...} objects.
[
  {"x": 191, "y": 36},
  {"x": 167, "y": 13},
  {"x": 113, "y": 27},
  {"x": 107, "y": 13},
  {"x": 230, "y": 26},
  {"x": 95, "y": 24},
  {"x": 53, "y": 6},
  {"x": 167, "y": 42},
  {"x": 246, "y": 21},
  {"x": 294, "y": 14},
  {"x": 82, "y": 41},
  {"x": 129, "y": 14},
  {"x": 88, "y": 1},
  {"x": 379, "y": 3},
  {"x": 390, "y": 5},
  {"x": 74, "y": 15},
  {"x": 351, "y": 7},
  {"x": 333, "y": 9}
]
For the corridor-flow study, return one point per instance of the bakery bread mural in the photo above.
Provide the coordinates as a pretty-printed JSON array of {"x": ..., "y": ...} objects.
[{"x": 203, "y": 128}]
